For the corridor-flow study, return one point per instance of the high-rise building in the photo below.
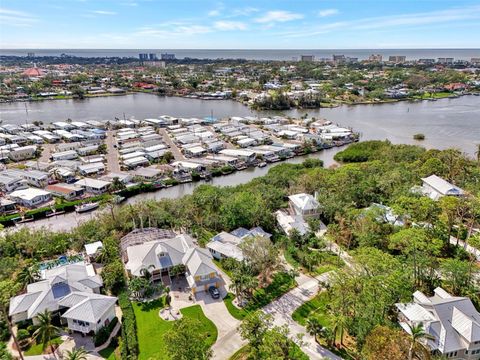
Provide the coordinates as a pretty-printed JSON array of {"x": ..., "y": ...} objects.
[
  {"x": 339, "y": 58},
  {"x": 397, "y": 59},
  {"x": 152, "y": 56},
  {"x": 475, "y": 61},
  {"x": 307, "y": 58},
  {"x": 167, "y": 56},
  {"x": 143, "y": 57},
  {"x": 31, "y": 55},
  {"x": 375, "y": 58},
  {"x": 445, "y": 61}
]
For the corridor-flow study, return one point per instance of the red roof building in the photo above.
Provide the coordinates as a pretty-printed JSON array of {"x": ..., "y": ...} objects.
[{"x": 33, "y": 72}]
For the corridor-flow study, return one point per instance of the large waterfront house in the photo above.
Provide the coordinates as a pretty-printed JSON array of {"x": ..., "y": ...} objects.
[
  {"x": 165, "y": 256},
  {"x": 31, "y": 197},
  {"x": 435, "y": 187},
  {"x": 71, "y": 291},
  {"x": 452, "y": 321},
  {"x": 301, "y": 207},
  {"x": 227, "y": 245}
]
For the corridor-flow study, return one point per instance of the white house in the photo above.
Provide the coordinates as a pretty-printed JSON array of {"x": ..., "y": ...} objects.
[
  {"x": 227, "y": 245},
  {"x": 74, "y": 287},
  {"x": 304, "y": 205},
  {"x": 93, "y": 186},
  {"x": 31, "y": 197},
  {"x": 435, "y": 187},
  {"x": 22, "y": 153},
  {"x": 161, "y": 255},
  {"x": 452, "y": 321}
]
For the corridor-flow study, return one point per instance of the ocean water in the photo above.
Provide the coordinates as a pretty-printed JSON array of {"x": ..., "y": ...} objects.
[{"x": 275, "y": 54}]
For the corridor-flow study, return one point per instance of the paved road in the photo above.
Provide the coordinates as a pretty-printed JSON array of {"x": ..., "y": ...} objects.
[
  {"x": 177, "y": 154},
  {"x": 113, "y": 164},
  {"x": 282, "y": 309}
]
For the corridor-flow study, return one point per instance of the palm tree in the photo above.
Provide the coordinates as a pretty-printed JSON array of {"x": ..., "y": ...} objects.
[
  {"x": 339, "y": 324},
  {"x": 76, "y": 354},
  {"x": 46, "y": 331},
  {"x": 314, "y": 327},
  {"x": 417, "y": 349},
  {"x": 145, "y": 272},
  {"x": 28, "y": 275}
]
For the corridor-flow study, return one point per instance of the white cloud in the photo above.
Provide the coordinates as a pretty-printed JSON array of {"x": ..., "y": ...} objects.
[
  {"x": 173, "y": 29},
  {"x": 16, "y": 18},
  {"x": 214, "y": 13},
  {"x": 328, "y": 12},
  {"x": 243, "y": 11},
  {"x": 229, "y": 25},
  {"x": 442, "y": 17},
  {"x": 104, "y": 12},
  {"x": 278, "y": 16}
]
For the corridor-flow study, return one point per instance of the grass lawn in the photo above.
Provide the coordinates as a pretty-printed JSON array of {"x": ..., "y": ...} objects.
[
  {"x": 108, "y": 353},
  {"x": 37, "y": 349},
  {"x": 281, "y": 284},
  {"x": 150, "y": 328},
  {"x": 316, "y": 307},
  {"x": 237, "y": 313}
]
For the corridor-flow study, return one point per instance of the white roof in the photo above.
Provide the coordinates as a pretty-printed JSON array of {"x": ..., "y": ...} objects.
[
  {"x": 56, "y": 284},
  {"x": 29, "y": 194},
  {"x": 149, "y": 253},
  {"x": 92, "y": 183},
  {"x": 88, "y": 307},
  {"x": 304, "y": 201},
  {"x": 199, "y": 262},
  {"x": 92, "y": 248},
  {"x": 442, "y": 186}
]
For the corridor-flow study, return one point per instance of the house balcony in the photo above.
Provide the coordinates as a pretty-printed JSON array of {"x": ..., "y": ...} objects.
[{"x": 80, "y": 328}]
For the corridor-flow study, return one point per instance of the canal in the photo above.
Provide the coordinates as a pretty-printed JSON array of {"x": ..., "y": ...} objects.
[{"x": 445, "y": 123}]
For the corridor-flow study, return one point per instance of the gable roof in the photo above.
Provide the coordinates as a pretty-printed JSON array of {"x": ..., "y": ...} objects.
[
  {"x": 199, "y": 262},
  {"x": 442, "y": 186},
  {"x": 452, "y": 320},
  {"x": 57, "y": 283},
  {"x": 147, "y": 254},
  {"x": 304, "y": 201},
  {"x": 87, "y": 307}
]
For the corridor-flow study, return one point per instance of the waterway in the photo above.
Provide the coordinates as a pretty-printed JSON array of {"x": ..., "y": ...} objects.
[{"x": 445, "y": 123}]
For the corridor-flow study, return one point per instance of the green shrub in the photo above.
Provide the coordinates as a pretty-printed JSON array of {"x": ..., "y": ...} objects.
[
  {"x": 129, "y": 348},
  {"x": 104, "y": 333},
  {"x": 22, "y": 334}
]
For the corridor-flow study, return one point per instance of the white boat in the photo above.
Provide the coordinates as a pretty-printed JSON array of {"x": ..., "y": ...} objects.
[{"x": 86, "y": 207}]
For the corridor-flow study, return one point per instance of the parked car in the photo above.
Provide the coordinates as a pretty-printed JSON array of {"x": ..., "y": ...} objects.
[{"x": 214, "y": 292}]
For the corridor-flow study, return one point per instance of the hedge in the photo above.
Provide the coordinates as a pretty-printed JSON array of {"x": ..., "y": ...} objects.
[
  {"x": 102, "y": 336},
  {"x": 129, "y": 344}
]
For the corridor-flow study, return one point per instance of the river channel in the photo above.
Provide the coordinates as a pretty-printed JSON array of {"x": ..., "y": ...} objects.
[{"x": 445, "y": 123}]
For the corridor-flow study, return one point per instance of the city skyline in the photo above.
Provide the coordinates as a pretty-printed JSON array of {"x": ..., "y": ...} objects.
[{"x": 237, "y": 24}]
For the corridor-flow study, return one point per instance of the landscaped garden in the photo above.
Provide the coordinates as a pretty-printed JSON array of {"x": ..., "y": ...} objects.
[
  {"x": 316, "y": 307},
  {"x": 151, "y": 328},
  {"x": 282, "y": 282},
  {"x": 38, "y": 348}
]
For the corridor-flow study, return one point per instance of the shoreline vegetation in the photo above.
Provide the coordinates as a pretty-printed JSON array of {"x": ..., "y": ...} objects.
[{"x": 337, "y": 103}]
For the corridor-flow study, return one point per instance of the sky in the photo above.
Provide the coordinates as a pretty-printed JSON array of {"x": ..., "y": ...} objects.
[{"x": 260, "y": 24}]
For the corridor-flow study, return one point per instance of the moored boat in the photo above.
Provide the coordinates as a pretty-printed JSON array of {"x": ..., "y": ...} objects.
[{"x": 86, "y": 207}]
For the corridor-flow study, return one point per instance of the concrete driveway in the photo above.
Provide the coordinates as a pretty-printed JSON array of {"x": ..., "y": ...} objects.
[
  {"x": 229, "y": 340},
  {"x": 282, "y": 309}
]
